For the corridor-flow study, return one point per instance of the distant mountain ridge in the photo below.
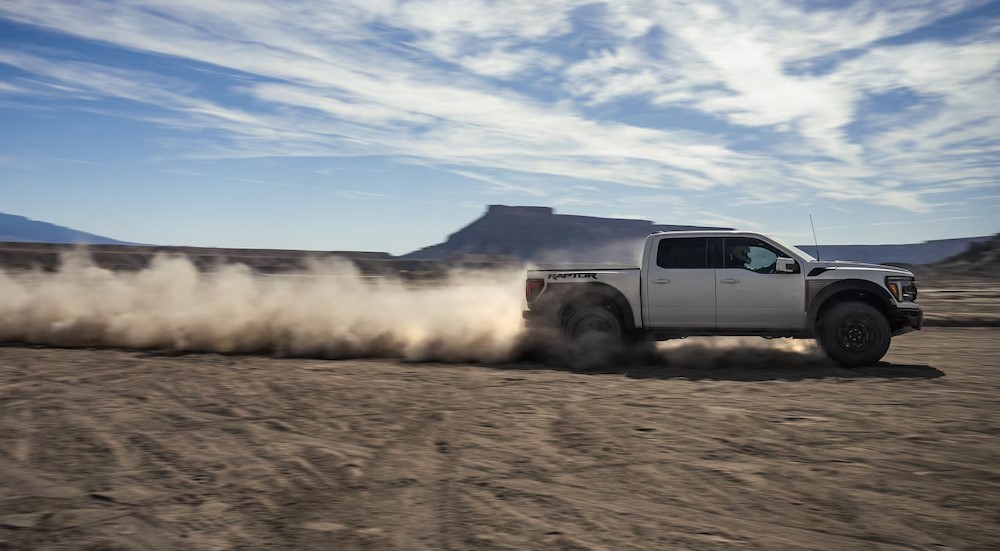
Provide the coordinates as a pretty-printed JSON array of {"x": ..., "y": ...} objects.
[
  {"x": 21, "y": 229},
  {"x": 537, "y": 234},
  {"x": 913, "y": 253}
]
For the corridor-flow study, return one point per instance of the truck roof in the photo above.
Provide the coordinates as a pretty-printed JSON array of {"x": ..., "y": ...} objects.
[{"x": 702, "y": 233}]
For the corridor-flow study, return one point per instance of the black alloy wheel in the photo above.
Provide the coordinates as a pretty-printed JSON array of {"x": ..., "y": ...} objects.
[
  {"x": 597, "y": 321},
  {"x": 854, "y": 334}
]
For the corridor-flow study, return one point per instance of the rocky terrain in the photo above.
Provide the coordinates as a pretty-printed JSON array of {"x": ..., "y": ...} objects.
[{"x": 979, "y": 260}]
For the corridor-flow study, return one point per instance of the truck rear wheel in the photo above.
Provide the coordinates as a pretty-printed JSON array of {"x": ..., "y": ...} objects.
[
  {"x": 854, "y": 334},
  {"x": 595, "y": 320}
]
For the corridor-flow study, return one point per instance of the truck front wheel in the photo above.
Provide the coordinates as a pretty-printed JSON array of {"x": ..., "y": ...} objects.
[
  {"x": 854, "y": 334},
  {"x": 597, "y": 321}
]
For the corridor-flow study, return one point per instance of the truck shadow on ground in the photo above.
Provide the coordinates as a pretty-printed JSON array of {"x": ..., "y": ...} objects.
[
  {"x": 740, "y": 363},
  {"x": 723, "y": 360},
  {"x": 784, "y": 373},
  {"x": 778, "y": 371}
]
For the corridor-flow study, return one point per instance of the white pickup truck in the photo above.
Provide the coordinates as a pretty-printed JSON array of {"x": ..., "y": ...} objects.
[{"x": 730, "y": 283}]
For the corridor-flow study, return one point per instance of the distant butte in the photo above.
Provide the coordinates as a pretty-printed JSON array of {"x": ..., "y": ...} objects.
[{"x": 538, "y": 233}]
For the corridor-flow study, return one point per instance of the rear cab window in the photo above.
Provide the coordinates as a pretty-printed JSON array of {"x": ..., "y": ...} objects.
[{"x": 683, "y": 253}]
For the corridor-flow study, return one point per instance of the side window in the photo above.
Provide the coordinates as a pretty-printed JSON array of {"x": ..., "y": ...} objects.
[
  {"x": 751, "y": 254},
  {"x": 682, "y": 253}
]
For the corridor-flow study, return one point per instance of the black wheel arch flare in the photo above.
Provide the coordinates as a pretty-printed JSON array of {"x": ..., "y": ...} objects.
[
  {"x": 576, "y": 295},
  {"x": 848, "y": 289}
]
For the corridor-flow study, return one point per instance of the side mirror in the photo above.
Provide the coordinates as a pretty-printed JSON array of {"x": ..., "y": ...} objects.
[{"x": 786, "y": 266}]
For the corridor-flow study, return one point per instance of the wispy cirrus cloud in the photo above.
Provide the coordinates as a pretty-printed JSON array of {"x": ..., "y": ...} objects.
[{"x": 788, "y": 101}]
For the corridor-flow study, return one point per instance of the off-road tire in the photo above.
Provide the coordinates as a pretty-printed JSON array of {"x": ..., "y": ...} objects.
[
  {"x": 595, "y": 319},
  {"x": 854, "y": 334}
]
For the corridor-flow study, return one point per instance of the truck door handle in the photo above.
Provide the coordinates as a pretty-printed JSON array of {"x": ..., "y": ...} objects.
[
  {"x": 729, "y": 280},
  {"x": 661, "y": 280}
]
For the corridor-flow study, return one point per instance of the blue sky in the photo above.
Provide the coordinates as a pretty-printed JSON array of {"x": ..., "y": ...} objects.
[{"x": 386, "y": 125}]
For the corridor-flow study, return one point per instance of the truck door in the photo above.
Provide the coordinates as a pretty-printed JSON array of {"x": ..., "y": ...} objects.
[
  {"x": 750, "y": 294},
  {"x": 679, "y": 285}
]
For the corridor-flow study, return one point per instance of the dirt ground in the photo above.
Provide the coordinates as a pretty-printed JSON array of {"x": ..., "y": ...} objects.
[{"x": 116, "y": 449}]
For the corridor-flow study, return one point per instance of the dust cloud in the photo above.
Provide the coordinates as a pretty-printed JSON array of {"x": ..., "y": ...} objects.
[{"x": 330, "y": 310}]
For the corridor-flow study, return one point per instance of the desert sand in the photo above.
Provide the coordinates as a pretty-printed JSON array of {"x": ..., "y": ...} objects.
[{"x": 710, "y": 445}]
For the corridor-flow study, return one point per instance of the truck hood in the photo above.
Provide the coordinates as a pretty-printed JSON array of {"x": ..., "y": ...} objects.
[{"x": 847, "y": 264}]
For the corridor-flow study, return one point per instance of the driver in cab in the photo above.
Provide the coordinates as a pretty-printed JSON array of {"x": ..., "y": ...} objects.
[{"x": 739, "y": 256}]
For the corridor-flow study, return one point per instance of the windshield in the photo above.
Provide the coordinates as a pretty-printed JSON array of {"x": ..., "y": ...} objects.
[{"x": 808, "y": 257}]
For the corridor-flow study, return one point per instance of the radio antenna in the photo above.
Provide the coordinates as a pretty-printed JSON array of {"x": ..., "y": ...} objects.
[{"x": 816, "y": 241}]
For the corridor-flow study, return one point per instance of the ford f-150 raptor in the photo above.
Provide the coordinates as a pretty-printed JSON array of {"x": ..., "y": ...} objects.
[{"x": 730, "y": 283}]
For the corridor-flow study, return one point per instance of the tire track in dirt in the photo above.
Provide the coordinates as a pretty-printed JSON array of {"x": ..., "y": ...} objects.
[
  {"x": 384, "y": 455},
  {"x": 417, "y": 504}
]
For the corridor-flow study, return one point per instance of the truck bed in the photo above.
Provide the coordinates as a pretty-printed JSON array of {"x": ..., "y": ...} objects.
[{"x": 583, "y": 267}]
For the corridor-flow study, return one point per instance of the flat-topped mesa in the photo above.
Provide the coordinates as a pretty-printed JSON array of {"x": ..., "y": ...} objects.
[
  {"x": 518, "y": 211},
  {"x": 533, "y": 233},
  {"x": 548, "y": 213}
]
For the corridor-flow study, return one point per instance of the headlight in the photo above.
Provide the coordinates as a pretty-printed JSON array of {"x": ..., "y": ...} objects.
[{"x": 903, "y": 289}]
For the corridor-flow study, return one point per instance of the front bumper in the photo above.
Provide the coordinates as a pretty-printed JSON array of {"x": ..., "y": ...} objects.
[{"x": 906, "y": 320}]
